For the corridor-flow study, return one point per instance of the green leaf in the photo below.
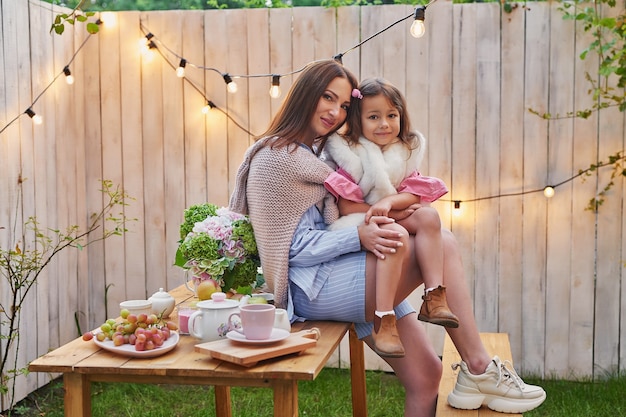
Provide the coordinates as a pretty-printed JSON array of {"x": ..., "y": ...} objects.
[
  {"x": 93, "y": 28},
  {"x": 59, "y": 29}
]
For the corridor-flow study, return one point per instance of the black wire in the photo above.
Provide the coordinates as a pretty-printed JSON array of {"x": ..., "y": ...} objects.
[
  {"x": 49, "y": 85},
  {"x": 195, "y": 87},
  {"x": 338, "y": 57},
  {"x": 581, "y": 172}
]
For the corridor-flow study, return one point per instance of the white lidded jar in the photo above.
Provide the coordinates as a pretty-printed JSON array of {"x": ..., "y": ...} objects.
[{"x": 162, "y": 303}]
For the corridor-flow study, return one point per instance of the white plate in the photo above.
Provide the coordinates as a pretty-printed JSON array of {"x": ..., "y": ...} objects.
[
  {"x": 276, "y": 336},
  {"x": 129, "y": 350}
]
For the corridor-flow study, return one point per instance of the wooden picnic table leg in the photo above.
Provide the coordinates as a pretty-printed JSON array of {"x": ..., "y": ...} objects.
[
  {"x": 357, "y": 375},
  {"x": 285, "y": 398},
  {"x": 222, "y": 401},
  {"x": 77, "y": 395}
]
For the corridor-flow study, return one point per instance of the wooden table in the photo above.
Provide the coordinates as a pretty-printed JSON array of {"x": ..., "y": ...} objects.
[{"x": 82, "y": 362}]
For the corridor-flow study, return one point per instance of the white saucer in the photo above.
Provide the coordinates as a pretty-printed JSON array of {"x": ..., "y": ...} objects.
[{"x": 276, "y": 336}]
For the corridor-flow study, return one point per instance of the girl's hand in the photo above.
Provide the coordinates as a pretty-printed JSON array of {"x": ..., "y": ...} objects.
[
  {"x": 381, "y": 208},
  {"x": 377, "y": 240},
  {"x": 403, "y": 214}
]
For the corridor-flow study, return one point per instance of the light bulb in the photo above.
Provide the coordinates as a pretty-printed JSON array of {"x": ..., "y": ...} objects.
[
  {"x": 548, "y": 191},
  {"x": 180, "y": 71},
  {"x": 230, "y": 84},
  {"x": 208, "y": 106},
  {"x": 37, "y": 119},
  {"x": 232, "y": 87},
  {"x": 275, "y": 88},
  {"x": 108, "y": 19},
  {"x": 69, "y": 78},
  {"x": 457, "y": 208},
  {"x": 145, "y": 44},
  {"x": 417, "y": 28}
]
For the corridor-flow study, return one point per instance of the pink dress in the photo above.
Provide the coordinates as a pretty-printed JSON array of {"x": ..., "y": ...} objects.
[
  {"x": 341, "y": 184},
  {"x": 366, "y": 173}
]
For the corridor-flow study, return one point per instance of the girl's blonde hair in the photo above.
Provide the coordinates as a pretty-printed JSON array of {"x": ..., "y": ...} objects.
[{"x": 371, "y": 87}]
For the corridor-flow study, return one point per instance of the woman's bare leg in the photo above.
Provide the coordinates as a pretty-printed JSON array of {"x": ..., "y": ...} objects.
[
  {"x": 465, "y": 337},
  {"x": 419, "y": 371}
]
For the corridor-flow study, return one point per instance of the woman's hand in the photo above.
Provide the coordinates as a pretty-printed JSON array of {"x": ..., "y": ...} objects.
[{"x": 377, "y": 240}]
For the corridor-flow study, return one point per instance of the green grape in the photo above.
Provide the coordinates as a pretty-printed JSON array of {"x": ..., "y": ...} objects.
[{"x": 124, "y": 313}]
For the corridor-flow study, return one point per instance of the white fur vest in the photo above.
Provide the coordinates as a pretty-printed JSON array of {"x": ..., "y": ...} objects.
[{"x": 378, "y": 172}]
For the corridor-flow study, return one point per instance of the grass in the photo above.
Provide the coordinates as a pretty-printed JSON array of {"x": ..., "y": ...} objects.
[{"x": 327, "y": 396}]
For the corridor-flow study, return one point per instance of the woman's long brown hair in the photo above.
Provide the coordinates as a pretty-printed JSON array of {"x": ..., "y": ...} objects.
[{"x": 294, "y": 116}]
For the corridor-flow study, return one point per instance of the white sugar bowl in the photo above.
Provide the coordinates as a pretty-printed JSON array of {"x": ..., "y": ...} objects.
[{"x": 162, "y": 303}]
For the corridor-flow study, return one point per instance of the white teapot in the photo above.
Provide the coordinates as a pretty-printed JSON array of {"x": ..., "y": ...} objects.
[
  {"x": 210, "y": 322},
  {"x": 162, "y": 302}
]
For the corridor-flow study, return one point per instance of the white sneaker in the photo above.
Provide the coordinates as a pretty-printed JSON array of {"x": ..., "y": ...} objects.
[{"x": 500, "y": 388}]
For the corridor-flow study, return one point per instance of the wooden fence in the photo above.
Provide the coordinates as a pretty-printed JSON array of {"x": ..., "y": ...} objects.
[{"x": 545, "y": 271}]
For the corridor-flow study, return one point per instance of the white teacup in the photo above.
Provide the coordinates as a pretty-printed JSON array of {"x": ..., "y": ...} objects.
[{"x": 257, "y": 321}]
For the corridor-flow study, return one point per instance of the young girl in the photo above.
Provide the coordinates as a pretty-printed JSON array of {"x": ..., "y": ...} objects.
[{"x": 377, "y": 161}]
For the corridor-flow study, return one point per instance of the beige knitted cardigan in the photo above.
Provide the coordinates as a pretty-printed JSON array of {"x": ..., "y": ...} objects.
[{"x": 275, "y": 187}]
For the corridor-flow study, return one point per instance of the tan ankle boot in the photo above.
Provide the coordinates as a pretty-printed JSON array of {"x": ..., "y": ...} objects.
[
  {"x": 387, "y": 340},
  {"x": 435, "y": 309}
]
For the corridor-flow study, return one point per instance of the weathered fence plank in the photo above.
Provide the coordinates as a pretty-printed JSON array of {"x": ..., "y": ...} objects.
[
  {"x": 510, "y": 251},
  {"x": 581, "y": 288},
  {"x": 560, "y": 148}
]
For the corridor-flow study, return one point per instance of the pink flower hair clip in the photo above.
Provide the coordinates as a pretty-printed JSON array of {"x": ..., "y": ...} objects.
[{"x": 356, "y": 93}]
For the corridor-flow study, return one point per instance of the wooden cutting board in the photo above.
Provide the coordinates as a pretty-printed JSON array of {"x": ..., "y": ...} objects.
[{"x": 250, "y": 354}]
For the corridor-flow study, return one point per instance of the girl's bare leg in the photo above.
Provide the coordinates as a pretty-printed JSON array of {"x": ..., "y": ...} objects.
[
  {"x": 388, "y": 271},
  {"x": 425, "y": 224},
  {"x": 388, "y": 274}
]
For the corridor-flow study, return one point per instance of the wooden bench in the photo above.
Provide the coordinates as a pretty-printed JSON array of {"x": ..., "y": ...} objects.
[{"x": 496, "y": 344}]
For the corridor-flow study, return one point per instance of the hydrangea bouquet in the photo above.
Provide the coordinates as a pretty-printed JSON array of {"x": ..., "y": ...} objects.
[{"x": 217, "y": 243}]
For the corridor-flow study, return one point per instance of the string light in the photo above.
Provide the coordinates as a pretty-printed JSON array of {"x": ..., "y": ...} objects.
[
  {"x": 417, "y": 28},
  {"x": 208, "y": 106},
  {"x": 37, "y": 119},
  {"x": 275, "y": 88},
  {"x": 108, "y": 19},
  {"x": 148, "y": 44},
  {"x": 69, "y": 78},
  {"x": 548, "y": 191},
  {"x": 230, "y": 84},
  {"x": 180, "y": 71}
]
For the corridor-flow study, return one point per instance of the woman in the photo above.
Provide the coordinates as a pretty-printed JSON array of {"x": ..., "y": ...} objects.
[{"x": 330, "y": 275}]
